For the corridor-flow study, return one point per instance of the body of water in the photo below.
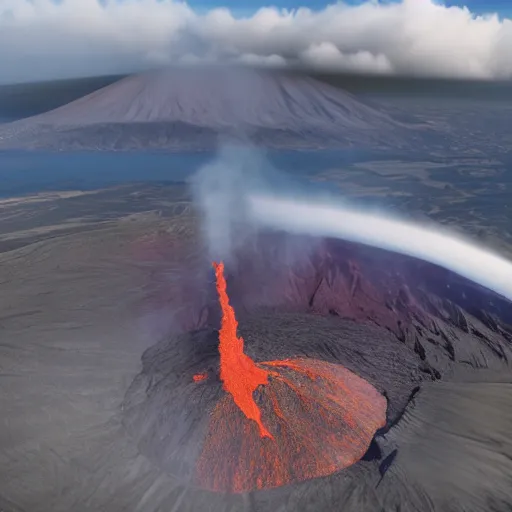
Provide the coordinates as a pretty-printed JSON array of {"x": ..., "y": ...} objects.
[{"x": 32, "y": 172}]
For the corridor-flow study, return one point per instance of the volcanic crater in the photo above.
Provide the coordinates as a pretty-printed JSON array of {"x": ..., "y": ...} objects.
[{"x": 335, "y": 346}]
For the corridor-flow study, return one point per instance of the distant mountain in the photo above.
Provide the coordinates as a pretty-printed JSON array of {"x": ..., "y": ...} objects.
[{"x": 190, "y": 108}]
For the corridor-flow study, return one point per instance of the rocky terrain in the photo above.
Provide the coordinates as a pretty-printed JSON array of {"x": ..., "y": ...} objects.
[
  {"x": 104, "y": 324},
  {"x": 429, "y": 341}
]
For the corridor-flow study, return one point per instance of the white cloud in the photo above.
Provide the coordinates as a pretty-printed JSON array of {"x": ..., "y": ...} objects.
[
  {"x": 262, "y": 60},
  {"x": 326, "y": 55},
  {"x": 42, "y": 39}
]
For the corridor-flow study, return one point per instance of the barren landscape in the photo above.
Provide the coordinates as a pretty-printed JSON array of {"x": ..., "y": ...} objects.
[
  {"x": 94, "y": 281},
  {"x": 303, "y": 373}
]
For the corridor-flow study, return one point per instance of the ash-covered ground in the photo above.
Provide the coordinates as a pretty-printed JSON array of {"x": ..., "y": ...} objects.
[
  {"x": 103, "y": 329},
  {"x": 436, "y": 346}
]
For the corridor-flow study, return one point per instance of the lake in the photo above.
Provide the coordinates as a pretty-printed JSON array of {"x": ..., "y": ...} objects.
[{"x": 32, "y": 172}]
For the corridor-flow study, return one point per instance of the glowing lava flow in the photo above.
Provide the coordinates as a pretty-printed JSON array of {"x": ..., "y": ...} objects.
[
  {"x": 200, "y": 376},
  {"x": 320, "y": 416},
  {"x": 238, "y": 372}
]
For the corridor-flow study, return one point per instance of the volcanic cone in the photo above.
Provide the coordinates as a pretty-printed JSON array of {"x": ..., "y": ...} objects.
[{"x": 282, "y": 421}]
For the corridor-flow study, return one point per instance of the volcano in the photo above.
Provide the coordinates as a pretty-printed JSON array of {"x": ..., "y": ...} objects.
[
  {"x": 190, "y": 108},
  {"x": 322, "y": 417},
  {"x": 350, "y": 377}
]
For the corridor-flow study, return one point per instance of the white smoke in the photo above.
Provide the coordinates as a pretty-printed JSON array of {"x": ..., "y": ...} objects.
[
  {"x": 303, "y": 216},
  {"x": 219, "y": 190},
  {"x": 240, "y": 193}
]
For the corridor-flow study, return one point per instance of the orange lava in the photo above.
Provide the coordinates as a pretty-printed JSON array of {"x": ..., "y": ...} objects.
[
  {"x": 320, "y": 416},
  {"x": 200, "y": 377},
  {"x": 238, "y": 372}
]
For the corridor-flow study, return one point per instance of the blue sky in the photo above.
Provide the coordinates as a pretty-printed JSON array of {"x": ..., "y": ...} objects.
[
  {"x": 503, "y": 7},
  {"x": 242, "y": 7}
]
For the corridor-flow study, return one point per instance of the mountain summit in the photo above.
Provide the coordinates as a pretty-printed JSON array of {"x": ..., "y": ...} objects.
[{"x": 189, "y": 108}]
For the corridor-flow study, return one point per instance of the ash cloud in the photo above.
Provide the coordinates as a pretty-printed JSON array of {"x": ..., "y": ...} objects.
[{"x": 44, "y": 39}]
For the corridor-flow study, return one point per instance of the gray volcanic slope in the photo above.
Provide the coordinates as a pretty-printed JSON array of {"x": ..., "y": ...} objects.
[{"x": 190, "y": 108}]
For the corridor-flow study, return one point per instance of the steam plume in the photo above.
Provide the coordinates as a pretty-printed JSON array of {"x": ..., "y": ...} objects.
[
  {"x": 436, "y": 246},
  {"x": 218, "y": 189},
  {"x": 240, "y": 193}
]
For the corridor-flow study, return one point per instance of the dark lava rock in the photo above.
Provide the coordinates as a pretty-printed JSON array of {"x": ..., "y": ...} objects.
[
  {"x": 434, "y": 344},
  {"x": 165, "y": 411}
]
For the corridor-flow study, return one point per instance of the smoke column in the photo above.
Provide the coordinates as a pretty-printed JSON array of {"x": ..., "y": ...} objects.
[
  {"x": 241, "y": 192},
  {"x": 219, "y": 189},
  {"x": 326, "y": 219}
]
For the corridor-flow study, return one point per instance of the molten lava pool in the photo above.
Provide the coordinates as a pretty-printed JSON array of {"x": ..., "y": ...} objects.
[{"x": 284, "y": 421}]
